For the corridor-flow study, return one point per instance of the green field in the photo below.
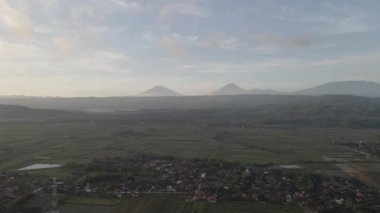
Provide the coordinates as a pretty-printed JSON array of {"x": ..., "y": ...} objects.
[
  {"x": 92, "y": 201},
  {"x": 62, "y": 142},
  {"x": 315, "y": 149},
  {"x": 175, "y": 203},
  {"x": 163, "y": 203},
  {"x": 25, "y": 143},
  {"x": 74, "y": 208}
]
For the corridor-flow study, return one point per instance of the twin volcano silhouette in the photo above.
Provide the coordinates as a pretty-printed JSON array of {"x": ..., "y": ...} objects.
[
  {"x": 357, "y": 88},
  {"x": 229, "y": 89}
]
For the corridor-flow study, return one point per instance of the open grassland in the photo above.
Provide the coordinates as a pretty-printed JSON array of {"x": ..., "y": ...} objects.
[
  {"x": 162, "y": 203},
  {"x": 166, "y": 202},
  {"x": 175, "y": 203},
  {"x": 92, "y": 201},
  {"x": 22, "y": 144},
  {"x": 74, "y": 208}
]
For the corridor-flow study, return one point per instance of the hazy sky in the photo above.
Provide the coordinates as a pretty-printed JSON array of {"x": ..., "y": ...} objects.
[{"x": 122, "y": 47}]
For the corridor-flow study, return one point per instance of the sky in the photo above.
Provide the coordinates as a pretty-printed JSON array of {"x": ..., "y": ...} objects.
[{"x": 123, "y": 47}]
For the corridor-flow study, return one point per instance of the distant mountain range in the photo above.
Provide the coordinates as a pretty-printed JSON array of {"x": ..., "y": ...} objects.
[
  {"x": 357, "y": 88},
  {"x": 233, "y": 89},
  {"x": 160, "y": 91}
]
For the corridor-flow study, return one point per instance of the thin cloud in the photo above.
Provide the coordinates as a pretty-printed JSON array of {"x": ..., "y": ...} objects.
[
  {"x": 148, "y": 35},
  {"x": 74, "y": 87},
  {"x": 133, "y": 6},
  {"x": 15, "y": 18},
  {"x": 42, "y": 60},
  {"x": 191, "y": 8},
  {"x": 105, "y": 29},
  {"x": 338, "y": 17},
  {"x": 270, "y": 40},
  {"x": 100, "y": 10},
  {"x": 66, "y": 44},
  {"x": 173, "y": 46},
  {"x": 280, "y": 41},
  {"x": 183, "y": 38},
  {"x": 341, "y": 25},
  {"x": 263, "y": 66},
  {"x": 346, "y": 19},
  {"x": 221, "y": 41}
]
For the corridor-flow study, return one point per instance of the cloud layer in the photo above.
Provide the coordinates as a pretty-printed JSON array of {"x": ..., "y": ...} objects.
[{"x": 49, "y": 47}]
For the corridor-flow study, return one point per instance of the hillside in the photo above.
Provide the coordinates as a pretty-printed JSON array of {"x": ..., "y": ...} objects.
[{"x": 358, "y": 88}]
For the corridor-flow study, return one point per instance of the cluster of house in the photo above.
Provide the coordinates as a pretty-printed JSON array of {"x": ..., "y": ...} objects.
[
  {"x": 7, "y": 191},
  {"x": 20, "y": 187},
  {"x": 367, "y": 148},
  {"x": 6, "y": 195},
  {"x": 210, "y": 181},
  {"x": 201, "y": 193}
]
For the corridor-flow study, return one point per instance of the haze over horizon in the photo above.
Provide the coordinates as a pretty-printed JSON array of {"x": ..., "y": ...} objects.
[{"x": 124, "y": 47}]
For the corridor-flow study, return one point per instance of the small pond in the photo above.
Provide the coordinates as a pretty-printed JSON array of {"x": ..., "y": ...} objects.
[
  {"x": 40, "y": 166},
  {"x": 291, "y": 166}
]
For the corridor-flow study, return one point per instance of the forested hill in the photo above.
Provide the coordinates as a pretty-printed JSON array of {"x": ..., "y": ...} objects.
[
  {"x": 239, "y": 111},
  {"x": 108, "y": 104},
  {"x": 329, "y": 111}
]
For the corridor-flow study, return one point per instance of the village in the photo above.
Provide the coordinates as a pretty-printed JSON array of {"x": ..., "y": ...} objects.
[
  {"x": 366, "y": 148},
  {"x": 199, "y": 180}
]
